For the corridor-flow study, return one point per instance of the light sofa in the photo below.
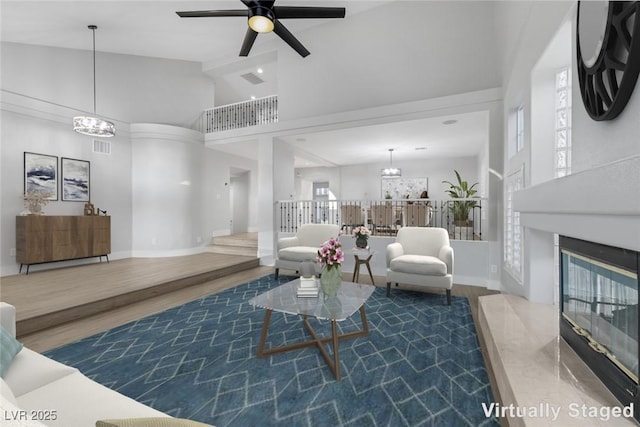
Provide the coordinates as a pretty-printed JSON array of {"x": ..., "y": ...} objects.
[
  {"x": 303, "y": 247},
  {"x": 50, "y": 393}
]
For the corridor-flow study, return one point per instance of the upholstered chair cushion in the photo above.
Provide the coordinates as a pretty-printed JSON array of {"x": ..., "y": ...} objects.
[
  {"x": 298, "y": 253},
  {"x": 419, "y": 264}
]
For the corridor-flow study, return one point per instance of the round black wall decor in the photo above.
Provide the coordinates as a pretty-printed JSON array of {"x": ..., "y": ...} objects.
[{"x": 608, "y": 46}]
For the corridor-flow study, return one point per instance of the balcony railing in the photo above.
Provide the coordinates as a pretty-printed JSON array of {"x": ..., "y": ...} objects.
[
  {"x": 384, "y": 217},
  {"x": 240, "y": 115}
]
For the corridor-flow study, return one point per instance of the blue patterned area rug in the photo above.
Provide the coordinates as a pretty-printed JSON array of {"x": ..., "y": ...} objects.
[{"x": 420, "y": 365}]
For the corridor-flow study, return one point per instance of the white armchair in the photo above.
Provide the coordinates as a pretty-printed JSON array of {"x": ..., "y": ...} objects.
[
  {"x": 292, "y": 251},
  {"x": 421, "y": 256}
]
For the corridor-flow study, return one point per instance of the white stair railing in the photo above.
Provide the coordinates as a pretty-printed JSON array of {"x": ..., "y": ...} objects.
[
  {"x": 240, "y": 115},
  {"x": 384, "y": 217}
]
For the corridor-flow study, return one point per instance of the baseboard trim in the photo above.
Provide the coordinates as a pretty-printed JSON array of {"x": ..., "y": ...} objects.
[{"x": 470, "y": 281}]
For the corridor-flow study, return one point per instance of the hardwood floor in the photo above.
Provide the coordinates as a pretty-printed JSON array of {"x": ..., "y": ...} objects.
[
  {"x": 74, "y": 330},
  {"x": 57, "y": 296}
]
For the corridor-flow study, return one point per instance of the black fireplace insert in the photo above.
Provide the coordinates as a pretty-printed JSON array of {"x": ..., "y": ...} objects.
[{"x": 599, "y": 313}]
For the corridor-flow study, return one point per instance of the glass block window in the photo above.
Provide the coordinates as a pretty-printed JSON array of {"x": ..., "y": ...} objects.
[
  {"x": 562, "y": 161},
  {"x": 519, "y": 128},
  {"x": 562, "y": 153},
  {"x": 513, "y": 254}
]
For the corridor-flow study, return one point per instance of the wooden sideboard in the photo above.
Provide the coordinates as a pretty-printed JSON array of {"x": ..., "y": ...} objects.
[{"x": 44, "y": 238}]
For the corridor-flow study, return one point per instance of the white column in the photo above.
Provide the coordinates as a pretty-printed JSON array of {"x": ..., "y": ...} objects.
[{"x": 266, "y": 199}]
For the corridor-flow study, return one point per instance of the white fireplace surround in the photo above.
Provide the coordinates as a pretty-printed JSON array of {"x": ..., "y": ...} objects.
[{"x": 600, "y": 205}]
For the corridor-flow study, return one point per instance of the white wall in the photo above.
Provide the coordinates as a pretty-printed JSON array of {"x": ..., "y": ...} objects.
[
  {"x": 600, "y": 143},
  {"x": 305, "y": 177},
  {"x": 240, "y": 202},
  {"x": 283, "y": 171},
  {"x": 110, "y": 178},
  {"x": 539, "y": 24},
  {"x": 423, "y": 50},
  {"x": 594, "y": 144},
  {"x": 132, "y": 89},
  {"x": 40, "y": 95},
  {"x": 360, "y": 180},
  {"x": 172, "y": 190}
]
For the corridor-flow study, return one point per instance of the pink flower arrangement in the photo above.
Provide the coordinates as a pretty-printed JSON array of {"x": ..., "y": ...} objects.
[
  {"x": 361, "y": 231},
  {"x": 330, "y": 253}
]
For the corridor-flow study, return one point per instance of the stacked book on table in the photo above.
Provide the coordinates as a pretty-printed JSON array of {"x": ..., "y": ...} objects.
[{"x": 308, "y": 287}]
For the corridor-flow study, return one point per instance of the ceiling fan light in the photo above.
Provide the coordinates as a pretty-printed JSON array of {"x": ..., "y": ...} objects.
[
  {"x": 93, "y": 126},
  {"x": 261, "y": 24}
]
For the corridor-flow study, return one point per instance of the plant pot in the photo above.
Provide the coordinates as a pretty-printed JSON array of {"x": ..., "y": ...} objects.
[
  {"x": 330, "y": 280},
  {"x": 362, "y": 242}
]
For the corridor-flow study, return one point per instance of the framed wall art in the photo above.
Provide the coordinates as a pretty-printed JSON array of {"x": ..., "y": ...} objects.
[
  {"x": 41, "y": 174},
  {"x": 400, "y": 188},
  {"x": 75, "y": 180}
]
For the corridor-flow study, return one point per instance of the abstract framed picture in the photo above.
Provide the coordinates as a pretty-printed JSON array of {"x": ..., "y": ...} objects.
[
  {"x": 76, "y": 179},
  {"x": 41, "y": 174}
]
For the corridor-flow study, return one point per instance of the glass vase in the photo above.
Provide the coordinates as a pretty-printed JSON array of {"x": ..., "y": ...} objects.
[{"x": 330, "y": 280}]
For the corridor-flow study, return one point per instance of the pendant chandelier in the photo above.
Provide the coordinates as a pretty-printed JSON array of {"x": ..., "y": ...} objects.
[
  {"x": 88, "y": 125},
  {"x": 391, "y": 172}
]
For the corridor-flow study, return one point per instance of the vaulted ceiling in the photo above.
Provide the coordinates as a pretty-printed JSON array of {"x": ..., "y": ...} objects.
[{"x": 382, "y": 52}]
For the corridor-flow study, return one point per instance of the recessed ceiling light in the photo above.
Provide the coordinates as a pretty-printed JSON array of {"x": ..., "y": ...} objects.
[
  {"x": 420, "y": 148},
  {"x": 253, "y": 97},
  {"x": 260, "y": 70},
  {"x": 449, "y": 122}
]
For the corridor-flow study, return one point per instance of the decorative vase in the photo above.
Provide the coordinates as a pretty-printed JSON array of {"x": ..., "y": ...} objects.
[
  {"x": 361, "y": 242},
  {"x": 35, "y": 209},
  {"x": 330, "y": 280}
]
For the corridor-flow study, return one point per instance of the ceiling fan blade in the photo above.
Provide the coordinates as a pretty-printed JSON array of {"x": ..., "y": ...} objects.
[
  {"x": 212, "y": 13},
  {"x": 263, "y": 3},
  {"x": 285, "y": 35},
  {"x": 302, "y": 12},
  {"x": 247, "y": 44}
]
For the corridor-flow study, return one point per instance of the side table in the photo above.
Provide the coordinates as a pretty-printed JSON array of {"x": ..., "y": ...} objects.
[{"x": 362, "y": 256}]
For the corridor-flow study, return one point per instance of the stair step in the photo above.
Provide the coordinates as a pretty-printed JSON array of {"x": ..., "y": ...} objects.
[
  {"x": 232, "y": 250},
  {"x": 235, "y": 241}
]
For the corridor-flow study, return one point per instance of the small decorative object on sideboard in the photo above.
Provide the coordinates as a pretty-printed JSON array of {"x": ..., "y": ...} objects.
[
  {"x": 34, "y": 200},
  {"x": 88, "y": 209}
]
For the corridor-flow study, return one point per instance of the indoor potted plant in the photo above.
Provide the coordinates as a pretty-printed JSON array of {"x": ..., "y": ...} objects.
[{"x": 460, "y": 210}]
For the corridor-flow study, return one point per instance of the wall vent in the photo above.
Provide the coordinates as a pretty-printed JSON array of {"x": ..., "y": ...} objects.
[
  {"x": 102, "y": 147},
  {"x": 252, "y": 78}
]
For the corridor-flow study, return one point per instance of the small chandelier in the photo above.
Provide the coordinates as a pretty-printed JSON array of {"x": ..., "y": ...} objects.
[
  {"x": 391, "y": 172},
  {"x": 88, "y": 125}
]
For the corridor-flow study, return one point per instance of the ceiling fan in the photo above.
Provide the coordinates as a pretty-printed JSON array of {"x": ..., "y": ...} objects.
[{"x": 264, "y": 17}]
